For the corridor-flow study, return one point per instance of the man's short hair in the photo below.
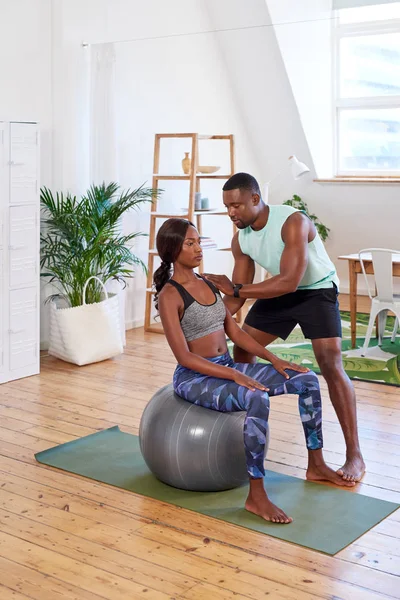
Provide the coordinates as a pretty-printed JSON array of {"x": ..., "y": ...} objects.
[{"x": 242, "y": 181}]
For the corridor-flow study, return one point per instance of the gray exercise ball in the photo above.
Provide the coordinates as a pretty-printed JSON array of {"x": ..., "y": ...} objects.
[{"x": 191, "y": 447}]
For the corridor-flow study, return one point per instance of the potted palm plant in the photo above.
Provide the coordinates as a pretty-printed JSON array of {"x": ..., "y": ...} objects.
[{"x": 83, "y": 247}]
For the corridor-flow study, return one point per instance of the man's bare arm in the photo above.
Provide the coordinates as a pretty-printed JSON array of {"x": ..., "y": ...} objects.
[
  {"x": 243, "y": 272},
  {"x": 294, "y": 260}
]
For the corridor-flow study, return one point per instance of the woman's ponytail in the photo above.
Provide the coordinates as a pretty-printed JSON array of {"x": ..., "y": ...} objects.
[
  {"x": 160, "y": 278},
  {"x": 169, "y": 242}
]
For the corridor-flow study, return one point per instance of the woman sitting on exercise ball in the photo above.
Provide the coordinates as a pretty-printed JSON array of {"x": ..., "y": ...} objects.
[{"x": 196, "y": 324}]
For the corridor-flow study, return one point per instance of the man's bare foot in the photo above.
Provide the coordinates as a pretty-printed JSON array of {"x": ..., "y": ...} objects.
[
  {"x": 353, "y": 469},
  {"x": 322, "y": 472},
  {"x": 259, "y": 504}
]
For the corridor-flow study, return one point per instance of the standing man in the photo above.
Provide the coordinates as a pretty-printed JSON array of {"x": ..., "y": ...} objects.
[{"x": 302, "y": 290}]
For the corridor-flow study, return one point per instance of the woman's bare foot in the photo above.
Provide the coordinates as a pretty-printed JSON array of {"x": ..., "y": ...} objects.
[
  {"x": 258, "y": 503},
  {"x": 318, "y": 470},
  {"x": 353, "y": 469}
]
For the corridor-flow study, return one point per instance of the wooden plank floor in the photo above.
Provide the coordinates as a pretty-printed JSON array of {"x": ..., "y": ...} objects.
[{"x": 63, "y": 537}]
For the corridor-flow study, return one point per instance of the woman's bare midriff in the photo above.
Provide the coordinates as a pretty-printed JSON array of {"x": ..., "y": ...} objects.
[{"x": 210, "y": 345}]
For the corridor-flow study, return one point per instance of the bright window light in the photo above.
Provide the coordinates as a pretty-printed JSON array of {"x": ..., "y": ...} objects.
[{"x": 367, "y": 116}]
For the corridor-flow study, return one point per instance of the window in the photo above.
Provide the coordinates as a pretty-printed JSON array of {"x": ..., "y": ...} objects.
[{"x": 367, "y": 98}]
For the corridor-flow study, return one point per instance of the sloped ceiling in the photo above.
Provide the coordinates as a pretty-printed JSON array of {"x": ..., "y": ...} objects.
[{"x": 261, "y": 87}]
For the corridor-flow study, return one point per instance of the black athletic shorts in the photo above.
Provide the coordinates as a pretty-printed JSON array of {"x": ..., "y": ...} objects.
[{"x": 316, "y": 311}]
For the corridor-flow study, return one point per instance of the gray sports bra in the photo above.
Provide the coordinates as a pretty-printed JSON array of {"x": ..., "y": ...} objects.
[{"x": 200, "y": 319}]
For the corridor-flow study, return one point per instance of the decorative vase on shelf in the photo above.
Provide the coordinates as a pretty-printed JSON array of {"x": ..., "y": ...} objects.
[{"x": 186, "y": 164}]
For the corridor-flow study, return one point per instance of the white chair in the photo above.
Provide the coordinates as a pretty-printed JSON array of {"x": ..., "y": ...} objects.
[
  {"x": 385, "y": 299},
  {"x": 396, "y": 326}
]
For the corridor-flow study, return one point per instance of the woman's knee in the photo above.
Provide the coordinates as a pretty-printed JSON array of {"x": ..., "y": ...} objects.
[
  {"x": 311, "y": 378},
  {"x": 259, "y": 402},
  {"x": 308, "y": 380}
]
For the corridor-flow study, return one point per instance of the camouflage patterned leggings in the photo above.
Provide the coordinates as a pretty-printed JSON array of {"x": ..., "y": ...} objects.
[{"x": 227, "y": 396}]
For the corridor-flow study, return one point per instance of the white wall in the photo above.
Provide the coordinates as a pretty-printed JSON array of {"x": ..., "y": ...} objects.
[
  {"x": 266, "y": 65},
  {"x": 26, "y": 75},
  {"x": 304, "y": 34},
  {"x": 77, "y": 21},
  {"x": 359, "y": 216},
  {"x": 261, "y": 86},
  {"x": 171, "y": 85},
  {"x": 227, "y": 82},
  {"x": 25, "y": 69},
  {"x": 177, "y": 85}
]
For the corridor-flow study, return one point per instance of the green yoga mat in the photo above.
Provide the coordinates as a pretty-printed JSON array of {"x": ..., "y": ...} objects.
[{"x": 325, "y": 519}]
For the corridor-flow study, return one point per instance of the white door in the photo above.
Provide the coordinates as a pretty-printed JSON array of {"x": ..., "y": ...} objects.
[
  {"x": 23, "y": 246},
  {"x": 23, "y": 163},
  {"x": 23, "y": 328}
]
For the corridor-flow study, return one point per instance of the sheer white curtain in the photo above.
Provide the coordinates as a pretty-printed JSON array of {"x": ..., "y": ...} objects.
[
  {"x": 103, "y": 144},
  {"x": 103, "y": 134},
  {"x": 336, "y": 4}
]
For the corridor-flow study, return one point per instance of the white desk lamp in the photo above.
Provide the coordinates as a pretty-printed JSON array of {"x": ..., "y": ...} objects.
[{"x": 297, "y": 169}]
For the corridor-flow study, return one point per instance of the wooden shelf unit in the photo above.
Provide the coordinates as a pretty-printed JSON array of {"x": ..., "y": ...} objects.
[{"x": 194, "y": 179}]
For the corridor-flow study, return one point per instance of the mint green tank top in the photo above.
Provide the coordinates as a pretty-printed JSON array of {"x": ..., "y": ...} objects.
[{"x": 265, "y": 247}]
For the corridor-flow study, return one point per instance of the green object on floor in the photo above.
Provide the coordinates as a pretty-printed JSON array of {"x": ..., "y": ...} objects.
[
  {"x": 380, "y": 365},
  {"x": 325, "y": 519}
]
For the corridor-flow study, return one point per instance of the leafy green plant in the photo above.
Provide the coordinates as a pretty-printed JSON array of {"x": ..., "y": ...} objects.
[
  {"x": 298, "y": 203},
  {"x": 82, "y": 238}
]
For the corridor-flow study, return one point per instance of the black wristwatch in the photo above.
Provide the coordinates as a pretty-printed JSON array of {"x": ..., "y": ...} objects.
[{"x": 236, "y": 288}]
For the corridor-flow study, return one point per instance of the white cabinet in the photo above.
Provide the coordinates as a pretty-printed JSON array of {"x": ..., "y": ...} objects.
[
  {"x": 19, "y": 250},
  {"x": 23, "y": 245},
  {"x": 24, "y": 141}
]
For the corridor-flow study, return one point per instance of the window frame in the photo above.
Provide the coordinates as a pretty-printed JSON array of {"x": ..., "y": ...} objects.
[{"x": 341, "y": 31}]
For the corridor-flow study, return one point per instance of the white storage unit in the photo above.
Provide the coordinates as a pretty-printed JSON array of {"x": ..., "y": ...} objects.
[{"x": 19, "y": 250}]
